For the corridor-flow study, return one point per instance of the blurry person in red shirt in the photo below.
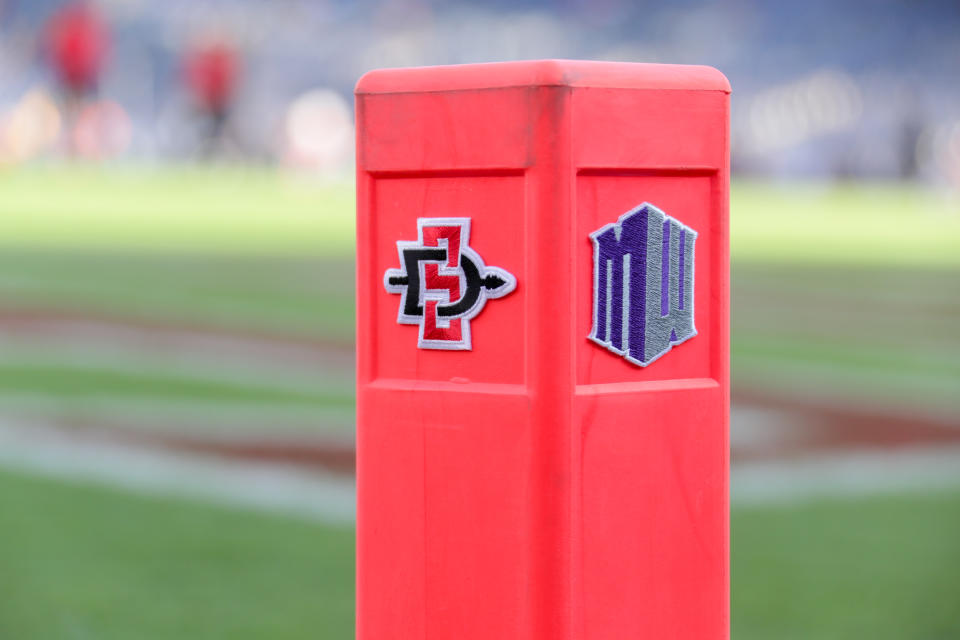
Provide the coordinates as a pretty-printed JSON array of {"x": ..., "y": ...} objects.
[
  {"x": 77, "y": 41},
  {"x": 211, "y": 72}
]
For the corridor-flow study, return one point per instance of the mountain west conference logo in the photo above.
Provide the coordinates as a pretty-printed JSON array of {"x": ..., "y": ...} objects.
[
  {"x": 643, "y": 284},
  {"x": 443, "y": 283}
]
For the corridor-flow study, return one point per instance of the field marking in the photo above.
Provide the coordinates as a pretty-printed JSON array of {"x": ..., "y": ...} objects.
[
  {"x": 846, "y": 475},
  {"x": 294, "y": 491},
  {"x": 213, "y": 418},
  {"x": 267, "y": 487}
]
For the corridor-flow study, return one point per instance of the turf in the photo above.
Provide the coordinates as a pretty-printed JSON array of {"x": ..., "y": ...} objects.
[
  {"x": 879, "y": 568},
  {"x": 295, "y": 296},
  {"x": 81, "y": 562},
  {"x": 199, "y": 209},
  {"x": 66, "y": 382},
  {"x": 264, "y": 212},
  {"x": 830, "y": 331},
  {"x": 869, "y": 334},
  {"x": 879, "y": 224},
  {"x": 846, "y": 291},
  {"x": 86, "y": 562}
]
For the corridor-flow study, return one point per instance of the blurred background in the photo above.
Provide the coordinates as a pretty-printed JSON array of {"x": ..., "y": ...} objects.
[{"x": 176, "y": 302}]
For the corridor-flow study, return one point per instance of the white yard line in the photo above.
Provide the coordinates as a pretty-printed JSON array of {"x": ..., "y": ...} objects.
[
  {"x": 851, "y": 474},
  {"x": 210, "y": 417},
  {"x": 267, "y": 487},
  {"x": 279, "y": 488}
]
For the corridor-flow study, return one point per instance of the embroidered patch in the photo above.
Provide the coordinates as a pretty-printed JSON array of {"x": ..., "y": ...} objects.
[
  {"x": 643, "y": 284},
  {"x": 443, "y": 283}
]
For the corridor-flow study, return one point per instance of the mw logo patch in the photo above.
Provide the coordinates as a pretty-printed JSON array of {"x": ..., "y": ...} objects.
[
  {"x": 643, "y": 284},
  {"x": 444, "y": 283}
]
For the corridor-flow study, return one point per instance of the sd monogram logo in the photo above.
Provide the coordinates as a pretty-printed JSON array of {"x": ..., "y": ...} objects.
[
  {"x": 443, "y": 283},
  {"x": 643, "y": 284}
]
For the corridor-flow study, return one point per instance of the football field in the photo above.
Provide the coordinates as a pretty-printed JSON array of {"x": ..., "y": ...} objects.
[
  {"x": 84, "y": 562},
  {"x": 218, "y": 304}
]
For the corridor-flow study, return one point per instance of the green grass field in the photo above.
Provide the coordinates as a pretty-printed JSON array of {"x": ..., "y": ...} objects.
[
  {"x": 82, "y": 562},
  {"x": 85, "y": 562},
  {"x": 840, "y": 293},
  {"x": 204, "y": 210},
  {"x": 848, "y": 291},
  {"x": 262, "y": 212}
]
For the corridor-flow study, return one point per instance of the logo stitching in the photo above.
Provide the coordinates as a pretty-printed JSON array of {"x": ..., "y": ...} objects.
[
  {"x": 643, "y": 266},
  {"x": 443, "y": 283}
]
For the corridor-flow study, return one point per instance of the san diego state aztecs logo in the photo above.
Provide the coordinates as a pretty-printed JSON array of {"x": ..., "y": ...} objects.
[
  {"x": 643, "y": 284},
  {"x": 444, "y": 283}
]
